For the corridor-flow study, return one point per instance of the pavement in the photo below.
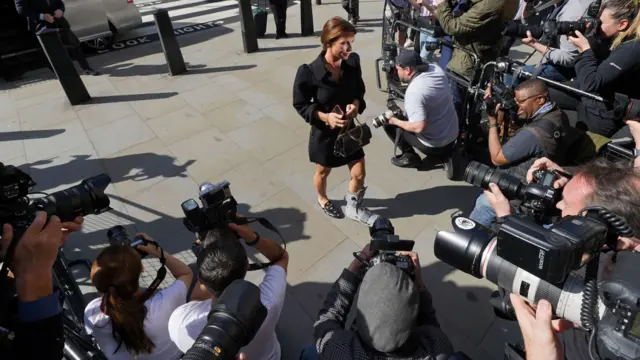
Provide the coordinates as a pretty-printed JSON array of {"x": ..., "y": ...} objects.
[{"x": 231, "y": 118}]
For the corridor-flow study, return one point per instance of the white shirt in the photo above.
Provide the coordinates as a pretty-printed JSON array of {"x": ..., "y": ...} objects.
[
  {"x": 188, "y": 320},
  {"x": 159, "y": 309}
]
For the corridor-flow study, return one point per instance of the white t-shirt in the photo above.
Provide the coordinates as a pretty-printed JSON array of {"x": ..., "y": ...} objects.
[
  {"x": 159, "y": 309},
  {"x": 188, "y": 320},
  {"x": 428, "y": 97}
]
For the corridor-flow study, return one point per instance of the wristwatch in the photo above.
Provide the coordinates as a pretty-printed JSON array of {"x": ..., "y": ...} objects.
[{"x": 636, "y": 152}]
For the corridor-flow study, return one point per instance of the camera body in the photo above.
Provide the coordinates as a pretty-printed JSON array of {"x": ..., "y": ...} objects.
[
  {"x": 118, "y": 235},
  {"x": 538, "y": 197},
  {"x": 385, "y": 246},
  {"x": 218, "y": 208},
  {"x": 501, "y": 95}
]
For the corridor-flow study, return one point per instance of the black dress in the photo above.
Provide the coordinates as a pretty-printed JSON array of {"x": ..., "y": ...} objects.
[{"x": 314, "y": 90}]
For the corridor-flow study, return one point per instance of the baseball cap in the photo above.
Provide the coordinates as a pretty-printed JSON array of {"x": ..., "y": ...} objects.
[{"x": 409, "y": 58}]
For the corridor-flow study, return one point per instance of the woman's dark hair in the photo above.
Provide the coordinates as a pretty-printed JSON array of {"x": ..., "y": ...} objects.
[
  {"x": 115, "y": 273},
  {"x": 333, "y": 29}
]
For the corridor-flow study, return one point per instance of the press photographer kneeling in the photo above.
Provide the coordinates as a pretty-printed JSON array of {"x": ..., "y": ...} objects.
[
  {"x": 432, "y": 124},
  {"x": 599, "y": 208},
  {"x": 221, "y": 260},
  {"x": 543, "y": 135},
  {"x": 395, "y": 317}
]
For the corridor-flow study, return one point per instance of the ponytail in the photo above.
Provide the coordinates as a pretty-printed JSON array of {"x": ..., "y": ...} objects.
[
  {"x": 632, "y": 31},
  {"x": 115, "y": 274}
]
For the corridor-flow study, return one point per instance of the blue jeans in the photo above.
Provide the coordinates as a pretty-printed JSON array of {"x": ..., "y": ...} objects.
[
  {"x": 549, "y": 71},
  {"x": 425, "y": 39},
  {"x": 445, "y": 54},
  {"x": 309, "y": 352},
  {"x": 457, "y": 94},
  {"x": 483, "y": 212}
]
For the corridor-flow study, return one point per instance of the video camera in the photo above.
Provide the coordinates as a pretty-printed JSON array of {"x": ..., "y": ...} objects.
[
  {"x": 234, "y": 319},
  {"x": 384, "y": 247},
  {"x": 538, "y": 197},
  {"x": 538, "y": 263}
]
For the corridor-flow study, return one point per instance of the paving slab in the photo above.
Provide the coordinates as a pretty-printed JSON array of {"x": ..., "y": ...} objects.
[{"x": 231, "y": 117}]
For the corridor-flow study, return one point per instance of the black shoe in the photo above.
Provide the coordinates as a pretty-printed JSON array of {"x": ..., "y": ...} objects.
[
  {"x": 278, "y": 36},
  {"x": 406, "y": 160},
  {"x": 284, "y": 35},
  {"x": 330, "y": 209},
  {"x": 91, "y": 72}
]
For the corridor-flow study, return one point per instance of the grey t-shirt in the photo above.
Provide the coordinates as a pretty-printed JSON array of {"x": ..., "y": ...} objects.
[{"x": 428, "y": 98}]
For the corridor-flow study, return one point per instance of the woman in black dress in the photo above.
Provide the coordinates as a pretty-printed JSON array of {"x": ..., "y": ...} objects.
[{"x": 333, "y": 79}]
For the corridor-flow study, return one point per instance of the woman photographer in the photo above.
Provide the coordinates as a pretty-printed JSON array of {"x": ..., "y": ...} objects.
[
  {"x": 618, "y": 73},
  {"x": 329, "y": 93},
  {"x": 127, "y": 322}
]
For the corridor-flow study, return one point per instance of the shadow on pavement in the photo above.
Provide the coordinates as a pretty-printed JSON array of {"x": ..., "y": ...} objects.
[
  {"x": 108, "y": 99},
  {"x": 131, "y": 69},
  {"x": 288, "y": 48},
  {"x": 29, "y": 134}
]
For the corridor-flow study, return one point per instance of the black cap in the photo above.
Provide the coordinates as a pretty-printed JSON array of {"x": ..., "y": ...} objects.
[{"x": 409, "y": 58}]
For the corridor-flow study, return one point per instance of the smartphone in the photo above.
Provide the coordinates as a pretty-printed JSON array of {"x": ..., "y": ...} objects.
[{"x": 337, "y": 110}]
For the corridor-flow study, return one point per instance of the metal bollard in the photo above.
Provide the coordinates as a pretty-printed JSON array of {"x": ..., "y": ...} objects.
[
  {"x": 170, "y": 45},
  {"x": 306, "y": 18},
  {"x": 62, "y": 65},
  {"x": 249, "y": 36}
]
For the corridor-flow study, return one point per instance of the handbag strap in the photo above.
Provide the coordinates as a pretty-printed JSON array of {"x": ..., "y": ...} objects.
[{"x": 345, "y": 130}]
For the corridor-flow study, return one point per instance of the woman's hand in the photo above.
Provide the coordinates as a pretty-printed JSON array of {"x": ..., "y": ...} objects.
[
  {"x": 335, "y": 121},
  {"x": 150, "y": 249},
  {"x": 579, "y": 41},
  {"x": 352, "y": 111}
]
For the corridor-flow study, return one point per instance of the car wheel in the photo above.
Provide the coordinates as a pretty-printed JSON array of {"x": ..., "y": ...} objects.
[{"x": 101, "y": 43}]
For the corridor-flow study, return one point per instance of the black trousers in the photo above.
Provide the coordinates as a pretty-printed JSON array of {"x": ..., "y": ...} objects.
[
  {"x": 408, "y": 141},
  {"x": 352, "y": 7},
  {"x": 68, "y": 38},
  {"x": 594, "y": 116},
  {"x": 279, "y": 10}
]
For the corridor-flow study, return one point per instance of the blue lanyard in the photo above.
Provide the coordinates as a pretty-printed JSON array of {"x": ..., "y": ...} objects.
[{"x": 544, "y": 108}]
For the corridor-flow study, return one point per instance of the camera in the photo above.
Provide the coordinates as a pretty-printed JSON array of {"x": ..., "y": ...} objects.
[
  {"x": 538, "y": 197},
  {"x": 503, "y": 95},
  {"x": 218, "y": 208},
  {"x": 383, "y": 119},
  {"x": 385, "y": 245},
  {"x": 234, "y": 319},
  {"x": 537, "y": 263},
  {"x": 556, "y": 28},
  {"x": 389, "y": 55},
  {"x": 19, "y": 210},
  {"x": 118, "y": 235}
]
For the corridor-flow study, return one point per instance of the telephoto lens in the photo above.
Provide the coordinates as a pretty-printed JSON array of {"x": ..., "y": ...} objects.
[
  {"x": 118, "y": 235},
  {"x": 86, "y": 198},
  {"x": 473, "y": 249},
  {"x": 482, "y": 175},
  {"x": 235, "y": 318},
  {"x": 382, "y": 119}
]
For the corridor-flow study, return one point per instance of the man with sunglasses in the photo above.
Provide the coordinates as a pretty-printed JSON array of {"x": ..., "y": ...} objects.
[{"x": 544, "y": 134}]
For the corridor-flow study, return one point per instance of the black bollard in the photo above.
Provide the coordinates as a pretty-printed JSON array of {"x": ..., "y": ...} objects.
[
  {"x": 170, "y": 45},
  {"x": 318, "y": 2},
  {"x": 306, "y": 18},
  {"x": 249, "y": 35},
  {"x": 62, "y": 65}
]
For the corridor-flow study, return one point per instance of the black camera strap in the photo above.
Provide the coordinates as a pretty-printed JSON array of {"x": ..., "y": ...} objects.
[
  {"x": 161, "y": 274},
  {"x": 269, "y": 226}
]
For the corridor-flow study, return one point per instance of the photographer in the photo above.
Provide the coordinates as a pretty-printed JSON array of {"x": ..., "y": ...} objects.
[
  {"x": 479, "y": 29},
  {"x": 126, "y": 321},
  {"x": 543, "y": 135},
  {"x": 560, "y": 53},
  {"x": 222, "y": 260},
  {"x": 618, "y": 73},
  {"x": 615, "y": 187},
  {"x": 37, "y": 305},
  {"x": 394, "y": 319},
  {"x": 432, "y": 124}
]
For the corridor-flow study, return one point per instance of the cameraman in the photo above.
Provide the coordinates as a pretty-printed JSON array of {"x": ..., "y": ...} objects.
[
  {"x": 561, "y": 54},
  {"x": 127, "y": 322},
  {"x": 394, "y": 319},
  {"x": 615, "y": 187},
  {"x": 479, "y": 30},
  {"x": 543, "y": 135},
  {"x": 37, "y": 327},
  {"x": 432, "y": 124},
  {"x": 222, "y": 260},
  {"x": 618, "y": 73}
]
